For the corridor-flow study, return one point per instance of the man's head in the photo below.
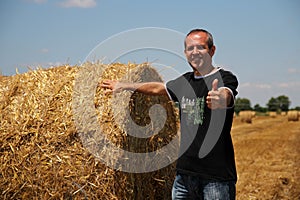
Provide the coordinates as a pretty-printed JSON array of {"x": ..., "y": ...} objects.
[
  {"x": 210, "y": 40},
  {"x": 199, "y": 49}
]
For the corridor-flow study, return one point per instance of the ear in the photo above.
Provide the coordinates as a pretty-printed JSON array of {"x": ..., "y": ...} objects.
[
  {"x": 212, "y": 51},
  {"x": 184, "y": 51}
]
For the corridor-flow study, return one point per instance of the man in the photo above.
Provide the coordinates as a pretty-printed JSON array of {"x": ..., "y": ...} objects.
[{"x": 206, "y": 169}]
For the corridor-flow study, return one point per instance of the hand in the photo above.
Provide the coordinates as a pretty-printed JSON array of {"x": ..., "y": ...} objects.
[
  {"x": 218, "y": 97},
  {"x": 112, "y": 85}
]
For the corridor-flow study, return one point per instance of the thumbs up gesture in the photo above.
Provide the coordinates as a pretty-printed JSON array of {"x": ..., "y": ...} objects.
[
  {"x": 215, "y": 85},
  {"x": 218, "y": 97}
]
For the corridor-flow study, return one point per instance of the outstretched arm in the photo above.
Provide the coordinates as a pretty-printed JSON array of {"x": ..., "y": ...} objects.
[{"x": 150, "y": 88}]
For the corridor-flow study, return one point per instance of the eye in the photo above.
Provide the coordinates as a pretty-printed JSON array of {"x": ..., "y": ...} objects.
[
  {"x": 200, "y": 47},
  {"x": 190, "y": 48}
]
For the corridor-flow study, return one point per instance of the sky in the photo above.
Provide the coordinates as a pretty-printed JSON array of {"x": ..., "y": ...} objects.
[{"x": 257, "y": 40}]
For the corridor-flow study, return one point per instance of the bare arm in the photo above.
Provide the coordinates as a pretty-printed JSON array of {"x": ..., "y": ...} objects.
[{"x": 150, "y": 88}]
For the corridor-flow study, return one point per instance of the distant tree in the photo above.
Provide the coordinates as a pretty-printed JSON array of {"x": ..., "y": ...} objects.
[
  {"x": 258, "y": 108},
  {"x": 297, "y": 108},
  {"x": 242, "y": 104},
  {"x": 272, "y": 104},
  {"x": 281, "y": 103}
]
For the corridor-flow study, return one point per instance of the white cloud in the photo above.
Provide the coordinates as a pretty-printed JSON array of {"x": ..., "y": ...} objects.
[
  {"x": 264, "y": 86},
  {"x": 256, "y": 85},
  {"x": 44, "y": 50},
  {"x": 37, "y": 1},
  {"x": 292, "y": 85},
  {"x": 54, "y": 64},
  {"x": 78, "y": 3},
  {"x": 293, "y": 71},
  {"x": 261, "y": 92}
]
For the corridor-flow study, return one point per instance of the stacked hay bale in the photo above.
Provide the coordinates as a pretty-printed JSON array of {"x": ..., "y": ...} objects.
[
  {"x": 293, "y": 115},
  {"x": 246, "y": 116},
  {"x": 43, "y": 155}
]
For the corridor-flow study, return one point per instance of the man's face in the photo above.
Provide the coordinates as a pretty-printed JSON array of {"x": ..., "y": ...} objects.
[{"x": 197, "y": 52}]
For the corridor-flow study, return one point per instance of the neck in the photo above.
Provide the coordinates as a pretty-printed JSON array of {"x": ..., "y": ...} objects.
[{"x": 204, "y": 72}]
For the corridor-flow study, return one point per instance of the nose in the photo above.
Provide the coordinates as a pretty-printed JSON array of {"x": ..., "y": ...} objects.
[{"x": 195, "y": 50}]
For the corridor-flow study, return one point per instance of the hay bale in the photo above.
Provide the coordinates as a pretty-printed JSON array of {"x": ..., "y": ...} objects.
[
  {"x": 272, "y": 114},
  {"x": 42, "y": 152},
  {"x": 293, "y": 115},
  {"x": 246, "y": 116},
  {"x": 283, "y": 113},
  {"x": 253, "y": 114}
]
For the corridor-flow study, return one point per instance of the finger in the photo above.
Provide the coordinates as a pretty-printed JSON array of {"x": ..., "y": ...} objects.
[
  {"x": 104, "y": 85},
  {"x": 212, "y": 100},
  {"x": 108, "y": 92},
  {"x": 107, "y": 84},
  {"x": 215, "y": 85}
]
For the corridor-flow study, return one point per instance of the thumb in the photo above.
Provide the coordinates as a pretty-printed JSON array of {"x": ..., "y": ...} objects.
[{"x": 215, "y": 85}]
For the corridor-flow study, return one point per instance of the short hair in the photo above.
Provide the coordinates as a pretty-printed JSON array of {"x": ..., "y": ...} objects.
[{"x": 210, "y": 40}]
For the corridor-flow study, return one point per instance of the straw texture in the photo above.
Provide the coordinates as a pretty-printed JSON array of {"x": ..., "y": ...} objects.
[{"x": 42, "y": 153}]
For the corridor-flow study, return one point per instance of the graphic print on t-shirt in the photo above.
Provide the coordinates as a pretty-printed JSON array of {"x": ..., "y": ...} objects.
[{"x": 194, "y": 109}]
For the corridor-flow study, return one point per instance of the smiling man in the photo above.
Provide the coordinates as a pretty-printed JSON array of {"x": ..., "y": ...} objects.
[{"x": 206, "y": 101}]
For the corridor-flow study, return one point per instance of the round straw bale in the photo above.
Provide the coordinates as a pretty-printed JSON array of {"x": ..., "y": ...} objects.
[
  {"x": 293, "y": 115},
  {"x": 42, "y": 152},
  {"x": 272, "y": 114},
  {"x": 246, "y": 116},
  {"x": 283, "y": 113}
]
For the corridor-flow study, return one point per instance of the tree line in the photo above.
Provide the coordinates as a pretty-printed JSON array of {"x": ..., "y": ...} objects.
[{"x": 278, "y": 104}]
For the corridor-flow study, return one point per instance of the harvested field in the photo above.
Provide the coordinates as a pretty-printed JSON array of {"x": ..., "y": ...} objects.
[
  {"x": 267, "y": 158},
  {"x": 42, "y": 155}
]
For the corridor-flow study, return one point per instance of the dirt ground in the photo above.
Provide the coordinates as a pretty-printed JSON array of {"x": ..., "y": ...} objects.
[{"x": 267, "y": 158}]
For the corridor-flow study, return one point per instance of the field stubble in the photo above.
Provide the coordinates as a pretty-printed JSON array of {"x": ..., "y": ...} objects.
[{"x": 267, "y": 158}]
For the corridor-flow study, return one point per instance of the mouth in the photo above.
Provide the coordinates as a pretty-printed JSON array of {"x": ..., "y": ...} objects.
[{"x": 196, "y": 60}]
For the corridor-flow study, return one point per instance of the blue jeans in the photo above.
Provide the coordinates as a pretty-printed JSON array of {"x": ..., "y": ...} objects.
[{"x": 191, "y": 187}]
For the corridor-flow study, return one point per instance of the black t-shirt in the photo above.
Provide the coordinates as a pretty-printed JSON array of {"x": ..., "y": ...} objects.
[{"x": 206, "y": 148}]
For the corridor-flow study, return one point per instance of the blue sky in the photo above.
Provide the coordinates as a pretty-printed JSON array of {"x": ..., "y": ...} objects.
[{"x": 257, "y": 40}]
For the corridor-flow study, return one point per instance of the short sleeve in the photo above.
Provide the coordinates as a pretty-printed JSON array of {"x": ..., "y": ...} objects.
[
  {"x": 171, "y": 90},
  {"x": 230, "y": 81},
  {"x": 176, "y": 88}
]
